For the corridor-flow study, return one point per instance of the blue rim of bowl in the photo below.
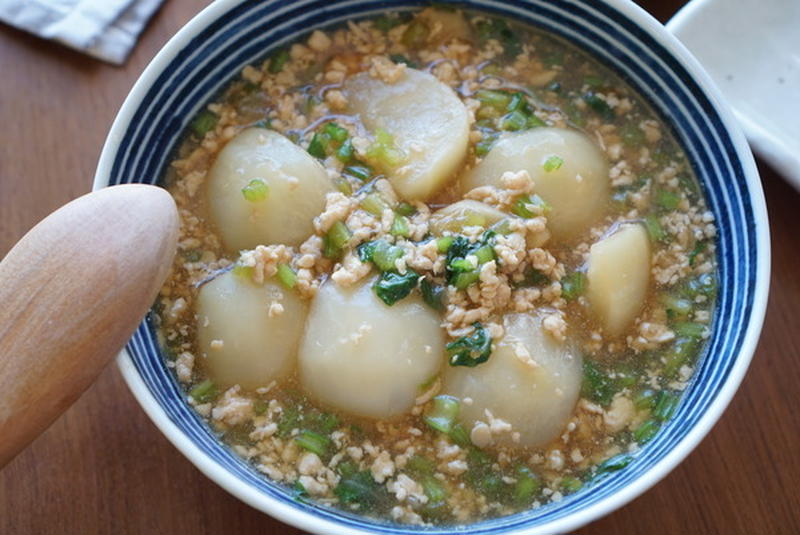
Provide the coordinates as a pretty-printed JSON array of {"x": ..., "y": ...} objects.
[{"x": 211, "y": 50}]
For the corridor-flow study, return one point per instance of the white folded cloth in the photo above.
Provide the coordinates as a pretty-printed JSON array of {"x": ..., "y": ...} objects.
[{"x": 105, "y": 29}]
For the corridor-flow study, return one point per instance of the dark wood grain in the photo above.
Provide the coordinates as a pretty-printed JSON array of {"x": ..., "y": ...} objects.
[{"x": 104, "y": 468}]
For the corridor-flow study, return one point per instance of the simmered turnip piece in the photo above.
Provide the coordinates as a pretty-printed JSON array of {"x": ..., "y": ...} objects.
[
  {"x": 365, "y": 358},
  {"x": 531, "y": 381},
  {"x": 618, "y": 275},
  {"x": 467, "y": 213},
  {"x": 426, "y": 122},
  {"x": 264, "y": 189},
  {"x": 569, "y": 171},
  {"x": 248, "y": 333}
]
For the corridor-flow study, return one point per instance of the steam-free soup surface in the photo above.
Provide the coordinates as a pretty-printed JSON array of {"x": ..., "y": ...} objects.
[{"x": 435, "y": 267}]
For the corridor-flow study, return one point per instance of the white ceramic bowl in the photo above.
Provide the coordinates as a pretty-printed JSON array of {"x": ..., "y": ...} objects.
[{"x": 213, "y": 47}]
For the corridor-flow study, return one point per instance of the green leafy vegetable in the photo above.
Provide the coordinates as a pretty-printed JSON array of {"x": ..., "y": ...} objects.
[
  {"x": 400, "y": 58},
  {"x": 527, "y": 206},
  {"x": 313, "y": 442},
  {"x": 699, "y": 247},
  {"x": 384, "y": 152},
  {"x": 646, "y": 431},
  {"x": 443, "y": 413},
  {"x": 392, "y": 287},
  {"x": 361, "y": 490},
  {"x": 405, "y": 209},
  {"x": 571, "y": 484},
  {"x": 597, "y": 385},
  {"x": 667, "y": 200},
  {"x": 614, "y": 464},
  {"x": 432, "y": 294},
  {"x": 527, "y": 486},
  {"x": 573, "y": 285},
  {"x": 472, "y": 349},
  {"x": 599, "y": 105}
]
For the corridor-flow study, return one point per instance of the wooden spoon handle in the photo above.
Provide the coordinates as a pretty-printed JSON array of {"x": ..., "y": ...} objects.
[{"x": 72, "y": 292}]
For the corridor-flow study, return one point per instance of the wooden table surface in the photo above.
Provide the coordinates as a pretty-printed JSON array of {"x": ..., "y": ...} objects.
[{"x": 104, "y": 468}]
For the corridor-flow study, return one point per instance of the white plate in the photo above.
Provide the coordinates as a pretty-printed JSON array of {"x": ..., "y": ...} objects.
[{"x": 752, "y": 50}]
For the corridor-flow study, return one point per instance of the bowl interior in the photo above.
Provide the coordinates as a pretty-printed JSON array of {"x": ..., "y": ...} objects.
[{"x": 230, "y": 34}]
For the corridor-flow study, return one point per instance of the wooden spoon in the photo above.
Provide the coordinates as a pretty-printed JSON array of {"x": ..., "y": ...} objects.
[{"x": 72, "y": 292}]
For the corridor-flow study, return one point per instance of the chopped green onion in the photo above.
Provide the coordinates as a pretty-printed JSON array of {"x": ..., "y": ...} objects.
[
  {"x": 383, "y": 151},
  {"x": 278, "y": 60},
  {"x": 459, "y": 435},
  {"x": 361, "y": 172},
  {"x": 498, "y": 29},
  {"x": 443, "y": 413},
  {"x": 392, "y": 287},
  {"x": 204, "y": 392},
  {"x": 705, "y": 284},
  {"x": 246, "y": 272},
  {"x": 461, "y": 265},
  {"x": 513, "y": 121},
  {"x": 400, "y": 226},
  {"x": 571, "y": 484},
  {"x": 432, "y": 294},
  {"x": 472, "y": 349},
  {"x": 336, "y": 132},
  {"x": 256, "y": 190},
  {"x": 654, "y": 228},
  {"x": 689, "y": 329},
  {"x": 384, "y": 255},
  {"x": 677, "y": 307},
  {"x": 405, "y": 209},
  {"x": 374, "y": 204},
  {"x": 679, "y": 354},
  {"x": 329, "y": 250},
  {"x": 573, "y": 285},
  {"x": 444, "y": 243},
  {"x": 318, "y": 146},
  {"x": 203, "y": 123},
  {"x": 668, "y": 200},
  {"x": 645, "y": 399},
  {"x": 599, "y": 105},
  {"x": 343, "y": 185},
  {"x": 339, "y": 235},
  {"x": 415, "y": 34},
  {"x": 465, "y": 279},
  {"x": 313, "y": 442},
  {"x": 299, "y": 491},
  {"x": 496, "y": 99},
  {"x": 530, "y": 206},
  {"x": 287, "y": 276},
  {"x": 485, "y": 254},
  {"x": 433, "y": 489},
  {"x": 526, "y": 487},
  {"x": 483, "y": 147},
  {"x": 419, "y": 465},
  {"x": 345, "y": 153},
  {"x": 518, "y": 102},
  {"x": 552, "y": 163},
  {"x": 646, "y": 431}
]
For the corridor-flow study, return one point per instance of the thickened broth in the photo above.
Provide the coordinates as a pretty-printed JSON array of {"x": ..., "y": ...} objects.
[{"x": 434, "y": 268}]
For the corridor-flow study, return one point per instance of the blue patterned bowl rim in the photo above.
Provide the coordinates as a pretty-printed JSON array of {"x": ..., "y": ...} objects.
[{"x": 229, "y": 34}]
